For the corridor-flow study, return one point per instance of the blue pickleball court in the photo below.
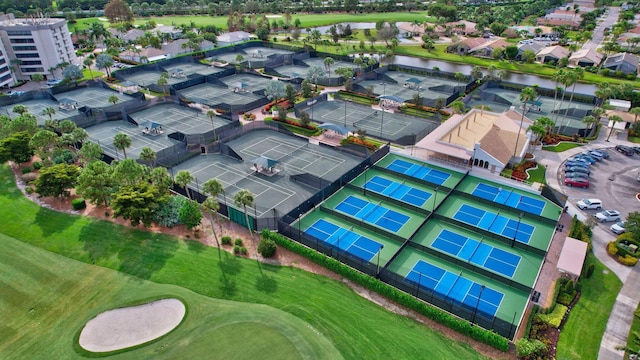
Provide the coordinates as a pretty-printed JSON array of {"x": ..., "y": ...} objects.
[
  {"x": 456, "y": 287},
  {"x": 398, "y": 191},
  {"x": 372, "y": 213},
  {"x": 421, "y": 172},
  {"x": 495, "y": 223},
  {"x": 476, "y": 252},
  {"x": 509, "y": 198},
  {"x": 344, "y": 239}
]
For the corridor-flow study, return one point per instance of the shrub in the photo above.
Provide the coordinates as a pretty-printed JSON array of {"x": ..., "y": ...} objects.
[
  {"x": 26, "y": 170},
  {"x": 78, "y": 204},
  {"x": 462, "y": 326},
  {"x": 611, "y": 248},
  {"x": 238, "y": 242},
  {"x": 555, "y": 317},
  {"x": 168, "y": 213},
  {"x": 29, "y": 190},
  {"x": 565, "y": 298},
  {"x": 590, "y": 270},
  {"x": 236, "y": 249},
  {"x": 243, "y": 250},
  {"x": 627, "y": 260},
  {"x": 267, "y": 248},
  {"x": 525, "y": 348},
  {"x": 29, "y": 177},
  {"x": 37, "y": 165},
  {"x": 226, "y": 240}
]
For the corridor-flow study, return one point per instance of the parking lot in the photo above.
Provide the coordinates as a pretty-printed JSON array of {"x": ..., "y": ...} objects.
[{"x": 613, "y": 180}]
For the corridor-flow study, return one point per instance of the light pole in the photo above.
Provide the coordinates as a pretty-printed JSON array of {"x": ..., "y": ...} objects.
[
  {"x": 473, "y": 319},
  {"x": 345, "y": 112},
  {"x": 384, "y": 90},
  {"x": 378, "y": 262},
  {"x": 435, "y": 196},
  {"x": 517, "y": 227}
]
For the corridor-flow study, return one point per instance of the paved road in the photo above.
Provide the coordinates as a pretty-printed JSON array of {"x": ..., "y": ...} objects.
[
  {"x": 598, "y": 32},
  {"x": 618, "y": 193}
]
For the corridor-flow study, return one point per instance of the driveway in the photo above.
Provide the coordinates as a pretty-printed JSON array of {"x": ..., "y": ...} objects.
[{"x": 598, "y": 32}]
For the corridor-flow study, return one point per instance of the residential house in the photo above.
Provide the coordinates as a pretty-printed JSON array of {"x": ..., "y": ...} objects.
[
  {"x": 408, "y": 29},
  {"x": 232, "y": 38},
  {"x": 132, "y": 35},
  {"x": 486, "y": 49},
  {"x": 462, "y": 27},
  {"x": 585, "y": 57},
  {"x": 625, "y": 62},
  {"x": 551, "y": 54},
  {"x": 180, "y": 46},
  {"x": 174, "y": 32},
  {"x": 144, "y": 55},
  {"x": 463, "y": 46},
  {"x": 482, "y": 138},
  {"x": 534, "y": 46},
  {"x": 531, "y": 30}
]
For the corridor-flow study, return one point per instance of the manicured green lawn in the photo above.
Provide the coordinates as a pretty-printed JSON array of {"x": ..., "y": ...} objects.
[
  {"x": 91, "y": 74},
  {"x": 538, "y": 174},
  {"x": 356, "y": 327},
  {"x": 580, "y": 338},
  {"x": 633, "y": 340},
  {"x": 563, "y": 146},
  {"x": 47, "y": 299}
]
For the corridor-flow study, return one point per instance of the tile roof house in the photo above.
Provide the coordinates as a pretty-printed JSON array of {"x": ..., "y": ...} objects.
[
  {"x": 409, "y": 29},
  {"x": 463, "y": 27},
  {"x": 132, "y": 35},
  {"x": 486, "y": 49},
  {"x": 625, "y": 62},
  {"x": 487, "y": 139},
  {"x": 145, "y": 55},
  {"x": 585, "y": 57},
  {"x": 551, "y": 54},
  {"x": 173, "y": 31},
  {"x": 463, "y": 46},
  {"x": 234, "y": 37},
  {"x": 176, "y": 47},
  {"x": 535, "y": 47}
]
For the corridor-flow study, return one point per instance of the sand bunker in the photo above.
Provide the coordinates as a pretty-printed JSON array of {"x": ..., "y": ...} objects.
[{"x": 126, "y": 327}]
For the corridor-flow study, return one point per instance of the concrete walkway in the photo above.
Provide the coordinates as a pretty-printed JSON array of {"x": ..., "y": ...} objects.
[
  {"x": 621, "y": 315},
  {"x": 598, "y": 37}
]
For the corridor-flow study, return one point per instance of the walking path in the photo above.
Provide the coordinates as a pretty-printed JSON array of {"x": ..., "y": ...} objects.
[{"x": 621, "y": 315}]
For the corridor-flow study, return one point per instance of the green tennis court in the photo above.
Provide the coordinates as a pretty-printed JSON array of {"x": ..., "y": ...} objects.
[
  {"x": 148, "y": 77},
  {"x": 440, "y": 176},
  {"x": 36, "y": 107},
  {"x": 186, "y": 69},
  {"x": 178, "y": 118},
  {"x": 214, "y": 95},
  {"x": 92, "y": 97}
]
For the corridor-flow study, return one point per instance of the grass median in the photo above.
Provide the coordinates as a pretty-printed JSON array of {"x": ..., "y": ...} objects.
[{"x": 357, "y": 327}]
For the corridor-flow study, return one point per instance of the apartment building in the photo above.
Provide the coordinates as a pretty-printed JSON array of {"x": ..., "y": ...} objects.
[
  {"x": 36, "y": 45},
  {"x": 6, "y": 75}
]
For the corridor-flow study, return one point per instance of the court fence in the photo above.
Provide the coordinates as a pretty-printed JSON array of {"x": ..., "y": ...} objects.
[{"x": 503, "y": 327}]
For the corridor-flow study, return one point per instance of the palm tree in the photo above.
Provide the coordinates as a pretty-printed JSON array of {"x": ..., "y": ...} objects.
[
  {"x": 244, "y": 198},
  {"x": 557, "y": 78},
  {"x": 211, "y": 207},
  {"x": 614, "y": 119},
  {"x": 88, "y": 62},
  {"x": 113, "y": 99},
  {"x": 148, "y": 156},
  {"x": 163, "y": 81},
  {"x": 635, "y": 111},
  {"x": 328, "y": 61},
  {"x": 577, "y": 74},
  {"x": 588, "y": 121},
  {"x": 122, "y": 141},
  {"x": 49, "y": 111},
  {"x": 212, "y": 187},
  {"x": 567, "y": 80},
  {"x": 184, "y": 178},
  {"x": 538, "y": 130},
  {"x": 212, "y": 114},
  {"x": 526, "y": 95}
]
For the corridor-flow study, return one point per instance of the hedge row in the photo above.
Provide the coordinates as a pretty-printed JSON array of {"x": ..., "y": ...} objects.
[
  {"x": 555, "y": 317},
  {"x": 402, "y": 298}
]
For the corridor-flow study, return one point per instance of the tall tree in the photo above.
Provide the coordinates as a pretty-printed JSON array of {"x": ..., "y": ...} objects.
[
  {"x": 73, "y": 73},
  {"x": 527, "y": 94},
  {"x": 117, "y": 11},
  {"x": 614, "y": 119},
  {"x": 49, "y": 111},
  {"x": 96, "y": 183},
  {"x": 121, "y": 142},
  {"x": 163, "y": 81},
  {"x": 274, "y": 90},
  {"x": 314, "y": 73},
  {"x": 88, "y": 62},
  {"x": 328, "y": 61},
  {"x": 588, "y": 121},
  {"x": 244, "y": 198},
  {"x": 148, "y": 156},
  {"x": 183, "y": 179},
  {"x": 104, "y": 61},
  {"x": 113, "y": 99},
  {"x": 89, "y": 152},
  {"x": 136, "y": 203},
  {"x": 212, "y": 114},
  {"x": 16, "y": 147},
  {"x": 190, "y": 214},
  {"x": 43, "y": 142}
]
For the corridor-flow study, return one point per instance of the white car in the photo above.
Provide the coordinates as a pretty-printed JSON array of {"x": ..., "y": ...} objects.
[
  {"x": 589, "y": 204},
  {"x": 608, "y": 215},
  {"x": 618, "y": 228}
]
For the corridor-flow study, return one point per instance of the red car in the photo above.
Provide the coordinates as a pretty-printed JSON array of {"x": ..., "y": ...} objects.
[{"x": 577, "y": 182}]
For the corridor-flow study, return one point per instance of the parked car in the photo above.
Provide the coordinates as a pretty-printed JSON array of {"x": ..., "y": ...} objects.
[
  {"x": 636, "y": 149},
  {"x": 589, "y": 204},
  {"x": 579, "y": 158},
  {"x": 577, "y": 182},
  {"x": 576, "y": 164},
  {"x": 570, "y": 169},
  {"x": 580, "y": 175},
  {"x": 601, "y": 152},
  {"x": 595, "y": 156},
  {"x": 15, "y": 93},
  {"x": 587, "y": 158},
  {"x": 608, "y": 215},
  {"x": 618, "y": 228},
  {"x": 625, "y": 150}
]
